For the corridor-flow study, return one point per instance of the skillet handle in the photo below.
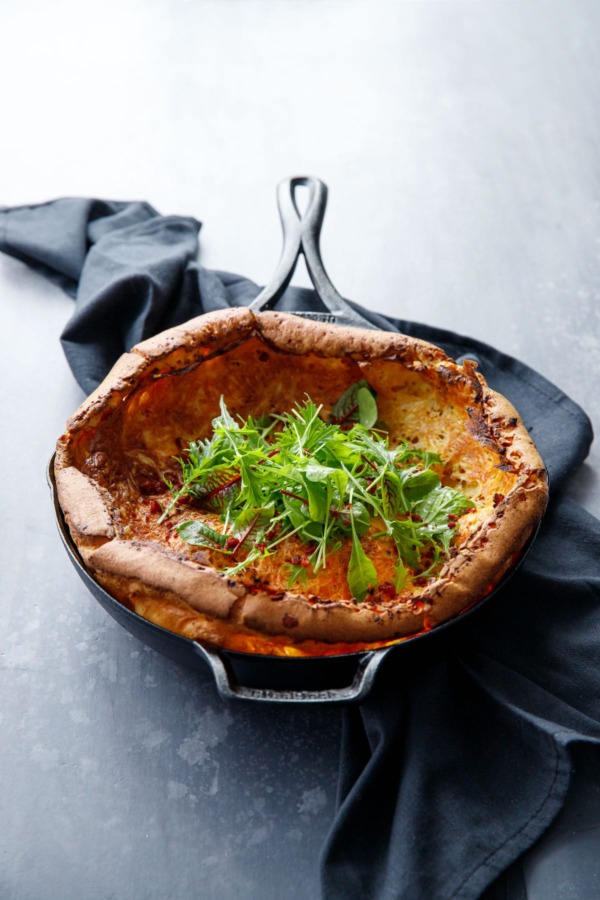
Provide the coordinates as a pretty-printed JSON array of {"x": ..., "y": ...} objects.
[
  {"x": 228, "y": 688},
  {"x": 294, "y": 227},
  {"x": 301, "y": 234}
]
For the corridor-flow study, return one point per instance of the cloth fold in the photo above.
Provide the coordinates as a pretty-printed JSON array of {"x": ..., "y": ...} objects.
[{"x": 459, "y": 759}]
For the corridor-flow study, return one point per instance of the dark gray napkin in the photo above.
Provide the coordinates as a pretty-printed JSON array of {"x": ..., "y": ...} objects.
[{"x": 459, "y": 759}]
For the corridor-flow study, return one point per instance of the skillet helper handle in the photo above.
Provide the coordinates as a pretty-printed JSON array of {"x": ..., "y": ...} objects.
[
  {"x": 301, "y": 234},
  {"x": 228, "y": 688}
]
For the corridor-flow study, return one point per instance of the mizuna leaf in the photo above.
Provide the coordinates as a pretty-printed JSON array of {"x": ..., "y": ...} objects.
[{"x": 225, "y": 420}]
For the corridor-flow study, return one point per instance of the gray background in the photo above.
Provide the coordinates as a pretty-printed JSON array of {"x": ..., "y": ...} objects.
[{"x": 460, "y": 142}]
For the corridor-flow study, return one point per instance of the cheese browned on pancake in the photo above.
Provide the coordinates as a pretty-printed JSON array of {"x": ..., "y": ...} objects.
[{"x": 165, "y": 393}]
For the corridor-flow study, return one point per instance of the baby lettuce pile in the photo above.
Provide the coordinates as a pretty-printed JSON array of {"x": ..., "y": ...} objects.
[{"x": 323, "y": 481}]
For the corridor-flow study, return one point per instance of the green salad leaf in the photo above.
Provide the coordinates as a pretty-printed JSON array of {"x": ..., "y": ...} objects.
[{"x": 324, "y": 481}]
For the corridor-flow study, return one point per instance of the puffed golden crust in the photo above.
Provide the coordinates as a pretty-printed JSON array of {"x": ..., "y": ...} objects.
[{"x": 166, "y": 391}]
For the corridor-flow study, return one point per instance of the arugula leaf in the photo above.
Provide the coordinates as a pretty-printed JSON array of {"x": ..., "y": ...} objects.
[
  {"x": 409, "y": 542},
  {"x": 435, "y": 507},
  {"x": 362, "y": 574},
  {"x": 418, "y": 485}
]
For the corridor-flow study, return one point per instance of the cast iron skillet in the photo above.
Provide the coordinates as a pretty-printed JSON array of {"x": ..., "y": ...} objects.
[{"x": 331, "y": 679}]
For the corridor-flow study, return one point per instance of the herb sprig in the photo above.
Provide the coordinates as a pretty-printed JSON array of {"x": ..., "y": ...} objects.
[{"x": 324, "y": 481}]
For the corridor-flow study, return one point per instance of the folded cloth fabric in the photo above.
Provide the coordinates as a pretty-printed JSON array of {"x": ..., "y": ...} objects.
[
  {"x": 131, "y": 271},
  {"x": 459, "y": 759}
]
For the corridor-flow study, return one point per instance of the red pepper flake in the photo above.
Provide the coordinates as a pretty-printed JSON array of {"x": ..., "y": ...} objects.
[
  {"x": 388, "y": 590},
  {"x": 300, "y": 561},
  {"x": 498, "y": 498},
  {"x": 231, "y": 543},
  {"x": 155, "y": 506}
]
